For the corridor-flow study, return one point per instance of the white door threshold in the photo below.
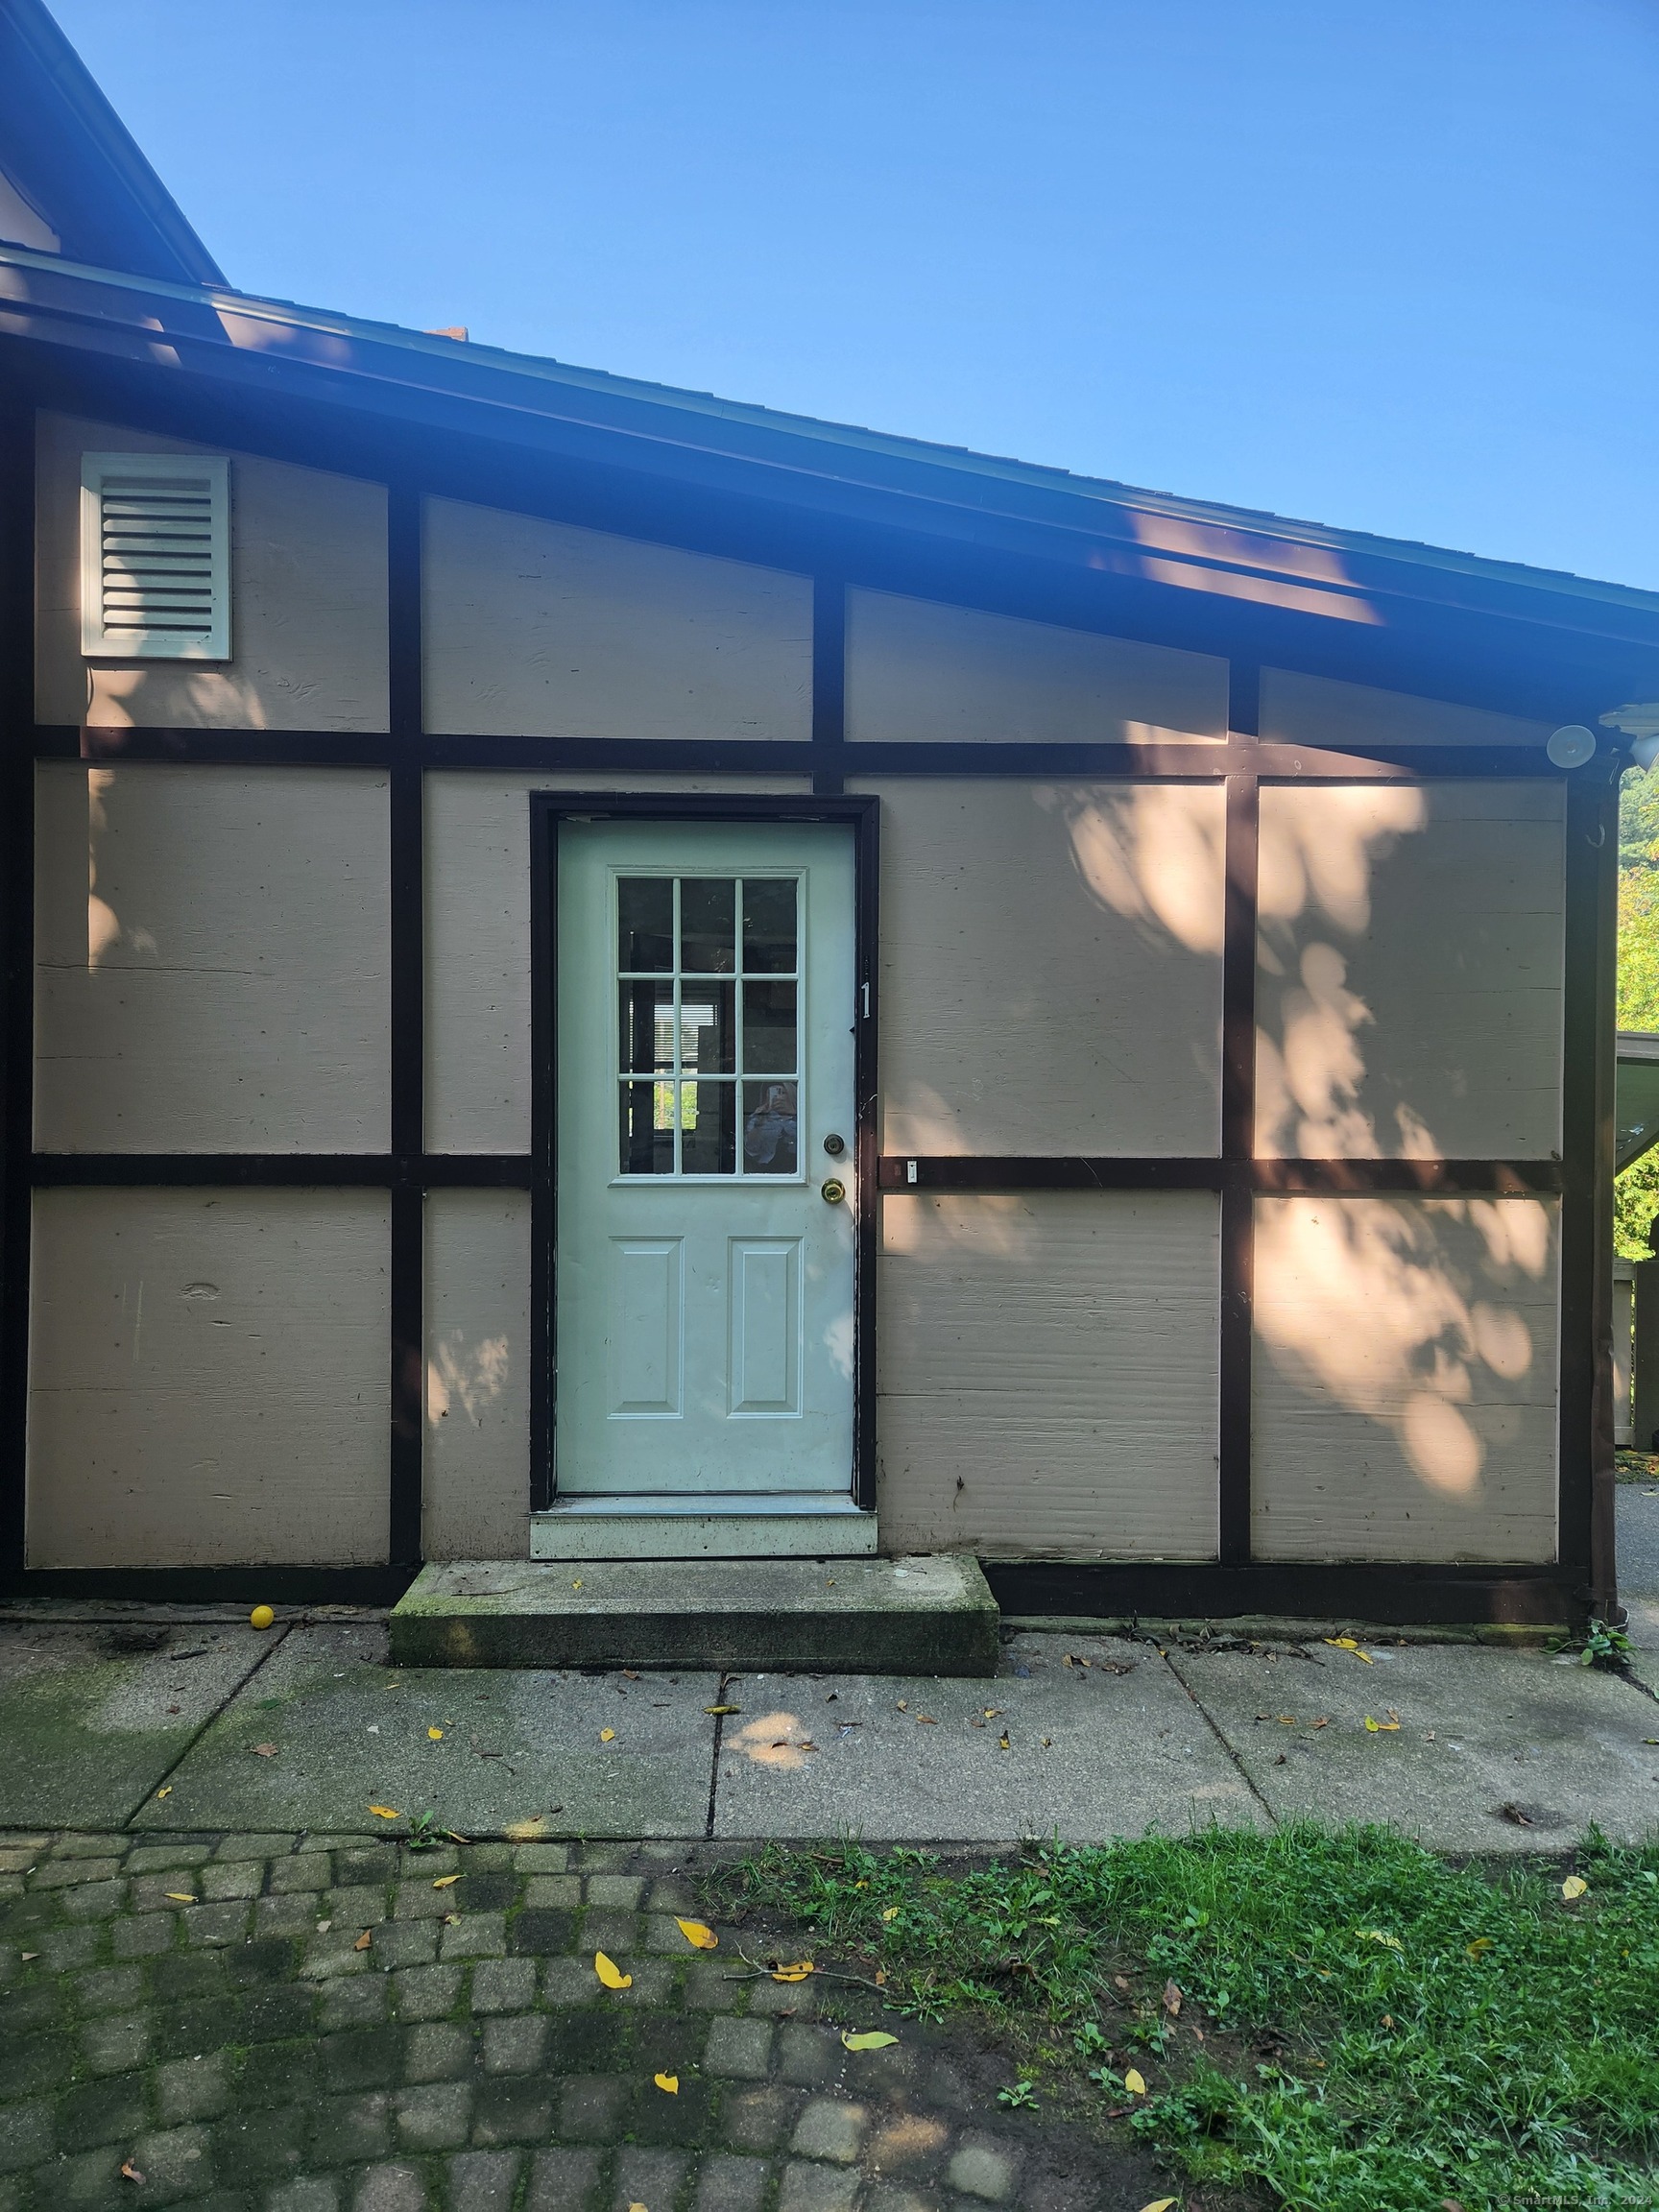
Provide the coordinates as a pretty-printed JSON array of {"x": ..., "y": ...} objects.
[{"x": 742, "y": 1525}]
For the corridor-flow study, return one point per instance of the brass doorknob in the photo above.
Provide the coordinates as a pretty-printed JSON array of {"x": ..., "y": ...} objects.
[{"x": 832, "y": 1193}]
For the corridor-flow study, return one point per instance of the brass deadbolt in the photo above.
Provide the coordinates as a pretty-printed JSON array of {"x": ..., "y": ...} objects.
[{"x": 832, "y": 1193}]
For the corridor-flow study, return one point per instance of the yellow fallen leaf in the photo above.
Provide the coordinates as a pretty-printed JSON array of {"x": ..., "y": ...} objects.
[
  {"x": 722, "y": 1708},
  {"x": 1135, "y": 2082},
  {"x": 697, "y": 1932},
  {"x": 1348, "y": 1643},
  {"x": 890, "y": 1913},
  {"x": 1479, "y": 1947},
  {"x": 364, "y": 1940},
  {"x": 873, "y": 2039},
  {"x": 1380, "y": 1727},
  {"x": 575, "y": 1585},
  {"x": 795, "y": 1973},
  {"x": 1002, "y": 1743},
  {"x": 385, "y": 1812},
  {"x": 167, "y": 1793},
  {"x": 607, "y": 1735},
  {"x": 609, "y": 1973},
  {"x": 1159, "y": 2204},
  {"x": 1574, "y": 1886},
  {"x": 182, "y": 1896},
  {"x": 1377, "y": 1936},
  {"x": 669, "y": 2083},
  {"x": 435, "y": 1735},
  {"x": 446, "y": 1881}
]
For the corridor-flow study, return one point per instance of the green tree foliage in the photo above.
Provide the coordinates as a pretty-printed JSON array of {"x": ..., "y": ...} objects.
[{"x": 1636, "y": 1193}]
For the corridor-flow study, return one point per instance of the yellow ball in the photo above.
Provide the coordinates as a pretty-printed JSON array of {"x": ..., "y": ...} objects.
[{"x": 261, "y": 1617}]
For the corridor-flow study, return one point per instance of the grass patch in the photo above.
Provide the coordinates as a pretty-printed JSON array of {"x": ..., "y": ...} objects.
[{"x": 1380, "y": 2030}]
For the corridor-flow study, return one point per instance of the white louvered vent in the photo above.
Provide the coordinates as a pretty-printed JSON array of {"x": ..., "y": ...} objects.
[{"x": 154, "y": 557}]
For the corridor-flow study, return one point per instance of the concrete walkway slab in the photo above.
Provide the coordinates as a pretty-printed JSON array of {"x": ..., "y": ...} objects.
[
  {"x": 351, "y": 1732},
  {"x": 1092, "y": 1753},
  {"x": 1636, "y": 1512},
  {"x": 92, "y": 1719},
  {"x": 1479, "y": 1730}
]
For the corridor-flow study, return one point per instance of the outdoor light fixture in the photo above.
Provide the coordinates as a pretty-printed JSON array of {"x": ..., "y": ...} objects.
[
  {"x": 1639, "y": 722},
  {"x": 1572, "y": 745}
]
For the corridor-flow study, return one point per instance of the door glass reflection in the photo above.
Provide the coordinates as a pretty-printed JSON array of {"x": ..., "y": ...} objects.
[{"x": 770, "y": 1143}]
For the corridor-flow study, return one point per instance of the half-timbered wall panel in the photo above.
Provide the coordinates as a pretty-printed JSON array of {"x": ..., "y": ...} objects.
[
  {"x": 307, "y": 601},
  {"x": 1050, "y": 966},
  {"x": 1297, "y": 709},
  {"x": 208, "y": 1378},
  {"x": 540, "y": 629},
  {"x": 1405, "y": 1379},
  {"x": 921, "y": 672},
  {"x": 477, "y": 1483},
  {"x": 212, "y": 959},
  {"x": 478, "y": 943},
  {"x": 1409, "y": 989},
  {"x": 1047, "y": 1374}
]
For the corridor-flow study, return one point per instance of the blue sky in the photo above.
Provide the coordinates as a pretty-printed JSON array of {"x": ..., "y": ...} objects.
[{"x": 1388, "y": 264}]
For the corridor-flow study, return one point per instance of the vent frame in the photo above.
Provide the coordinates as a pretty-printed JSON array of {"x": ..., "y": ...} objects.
[{"x": 199, "y": 597}]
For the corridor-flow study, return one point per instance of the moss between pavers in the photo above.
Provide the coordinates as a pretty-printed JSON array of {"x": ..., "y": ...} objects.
[{"x": 225, "y": 2060}]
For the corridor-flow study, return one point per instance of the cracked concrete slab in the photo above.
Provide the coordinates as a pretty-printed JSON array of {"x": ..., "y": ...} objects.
[
  {"x": 349, "y": 1732},
  {"x": 93, "y": 1717},
  {"x": 1477, "y": 1730},
  {"x": 1092, "y": 1752}
]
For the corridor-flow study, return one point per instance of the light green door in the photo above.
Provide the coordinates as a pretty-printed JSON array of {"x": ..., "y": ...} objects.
[{"x": 704, "y": 1260}]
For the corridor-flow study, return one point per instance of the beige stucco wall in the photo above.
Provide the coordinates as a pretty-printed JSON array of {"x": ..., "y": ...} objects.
[
  {"x": 1409, "y": 982},
  {"x": 539, "y": 629},
  {"x": 1047, "y": 1374},
  {"x": 209, "y": 1378},
  {"x": 308, "y": 600},
  {"x": 1296, "y": 709},
  {"x": 1050, "y": 966},
  {"x": 477, "y": 1469},
  {"x": 478, "y": 943},
  {"x": 212, "y": 959},
  {"x": 920, "y": 672},
  {"x": 1405, "y": 1379}
]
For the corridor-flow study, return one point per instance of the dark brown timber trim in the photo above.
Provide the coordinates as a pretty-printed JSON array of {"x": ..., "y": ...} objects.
[
  {"x": 1266, "y": 1178},
  {"x": 1204, "y": 1591},
  {"x": 290, "y": 1171},
  {"x": 547, "y": 809},
  {"x": 1586, "y": 1545},
  {"x": 544, "y": 1151},
  {"x": 1195, "y": 758},
  {"x": 18, "y": 931},
  {"x": 408, "y": 1034},
  {"x": 236, "y": 1586},
  {"x": 1237, "y": 1146},
  {"x": 829, "y": 684}
]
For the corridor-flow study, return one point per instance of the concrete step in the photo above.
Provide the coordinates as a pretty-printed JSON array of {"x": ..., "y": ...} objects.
[{"x": 932, "y": 1615}]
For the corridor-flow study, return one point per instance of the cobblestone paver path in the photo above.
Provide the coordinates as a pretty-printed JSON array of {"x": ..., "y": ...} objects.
[{"x": 300, "y": 2023}]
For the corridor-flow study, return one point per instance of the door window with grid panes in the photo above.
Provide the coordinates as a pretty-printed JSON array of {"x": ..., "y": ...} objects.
[{"x": 709, "y": 1030}]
